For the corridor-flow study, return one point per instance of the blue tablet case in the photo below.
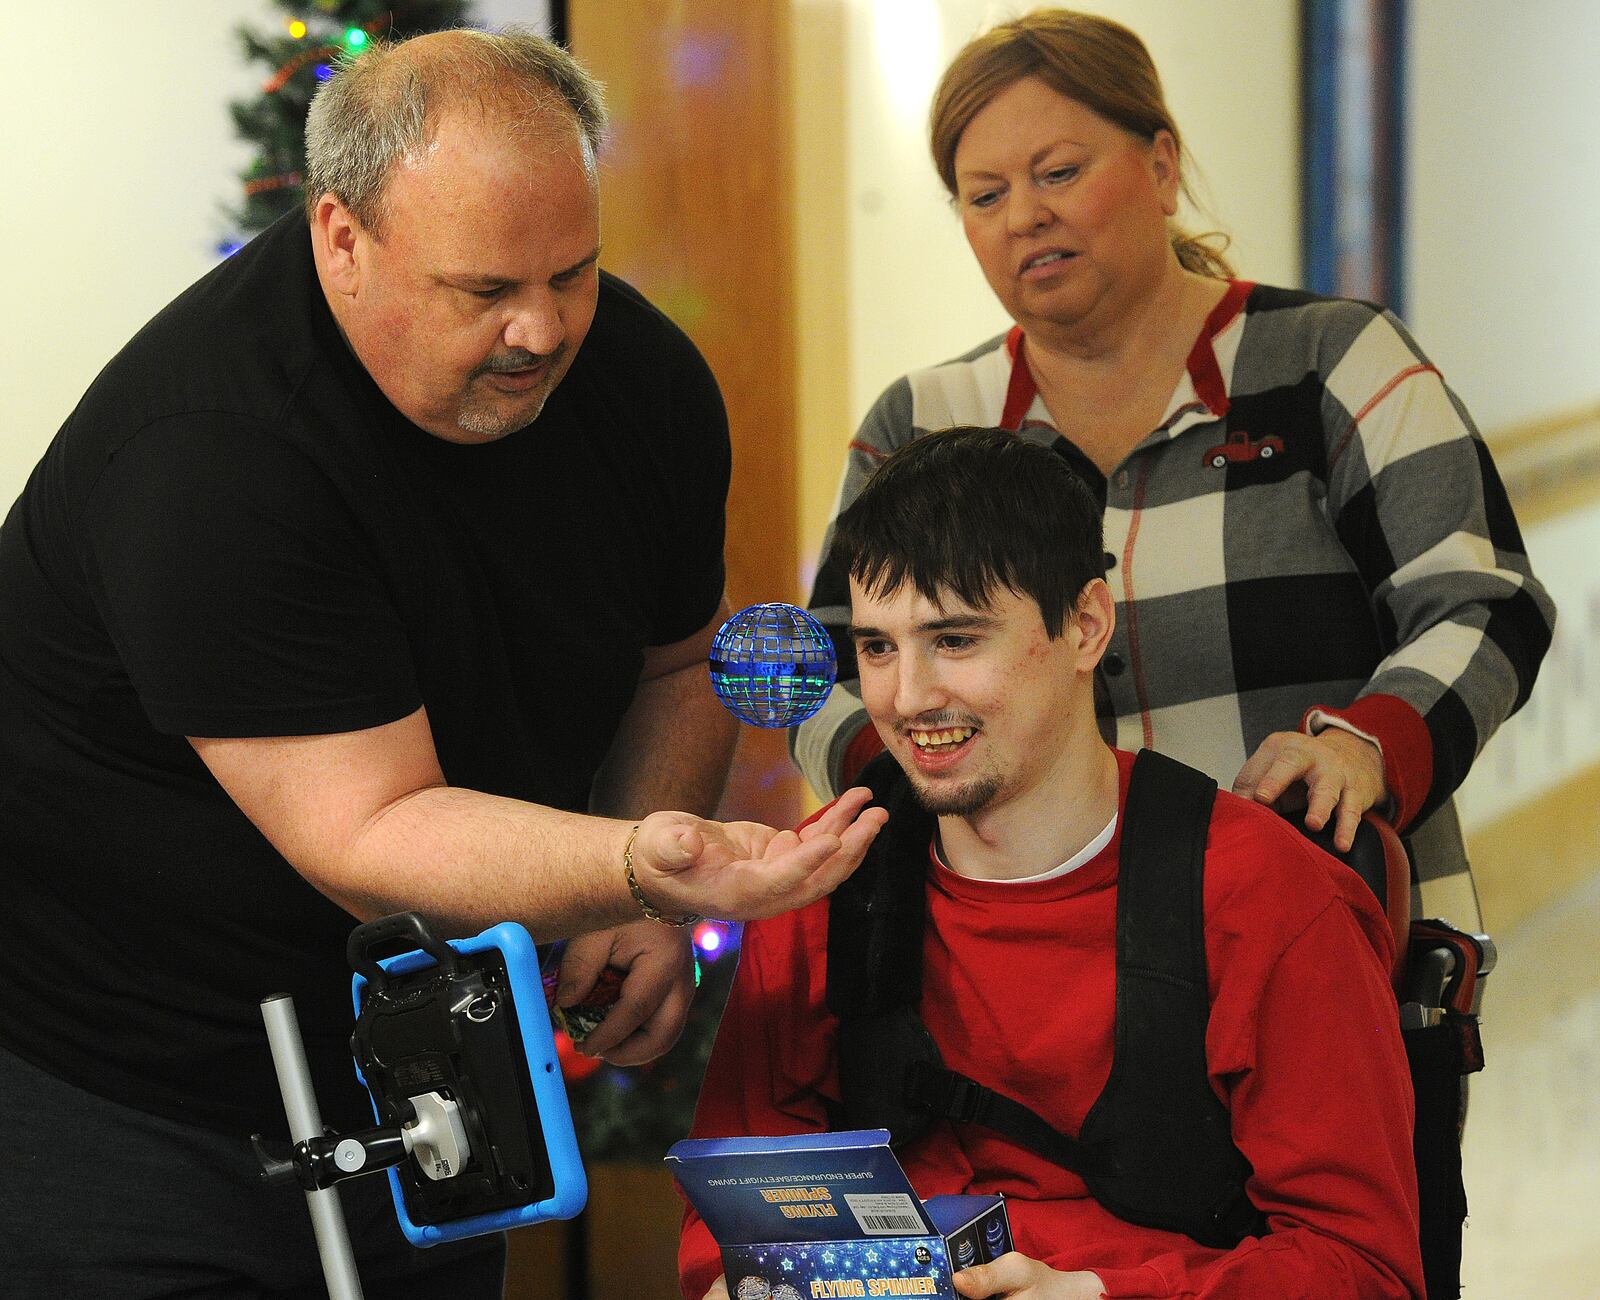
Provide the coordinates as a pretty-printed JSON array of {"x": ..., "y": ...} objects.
[{"x": 521, "y": 958}]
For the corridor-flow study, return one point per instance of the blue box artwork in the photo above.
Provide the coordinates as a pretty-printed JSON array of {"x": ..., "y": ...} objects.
[{"x": 831, "y": 1214}]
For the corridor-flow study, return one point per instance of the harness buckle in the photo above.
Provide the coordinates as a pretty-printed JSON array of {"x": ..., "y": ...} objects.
[
  {"x": 945, "y": 1093},
  {"x": 965, "y": 1099}
]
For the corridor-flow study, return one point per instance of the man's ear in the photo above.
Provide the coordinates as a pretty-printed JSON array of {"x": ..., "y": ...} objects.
[
  {"x": 1094, "y": 619},
  {"x": 338, "y": 241}
]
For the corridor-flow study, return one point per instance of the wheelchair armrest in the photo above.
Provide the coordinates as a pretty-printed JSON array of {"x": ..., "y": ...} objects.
[{"x": 1447, "y": 967}]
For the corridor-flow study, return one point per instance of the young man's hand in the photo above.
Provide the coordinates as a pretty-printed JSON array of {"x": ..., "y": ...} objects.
[{"x": 1016, "y": 1277}]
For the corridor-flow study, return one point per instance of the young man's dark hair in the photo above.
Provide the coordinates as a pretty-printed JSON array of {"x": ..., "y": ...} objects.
[{"x": 970, "y": 509}]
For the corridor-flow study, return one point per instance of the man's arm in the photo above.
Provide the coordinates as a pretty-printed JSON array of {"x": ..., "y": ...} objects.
[
  {"x": 672, "y": 750},
  {"x": 367, "y": 818},
  {"x": 675, "y": 743}
]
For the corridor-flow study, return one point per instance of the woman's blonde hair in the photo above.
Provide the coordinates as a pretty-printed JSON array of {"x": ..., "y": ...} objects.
[{"x": 1091, "y": 60}]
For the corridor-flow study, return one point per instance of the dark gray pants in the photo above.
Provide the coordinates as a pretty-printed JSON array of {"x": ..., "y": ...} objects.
[{"x": 102, "y": 1202}]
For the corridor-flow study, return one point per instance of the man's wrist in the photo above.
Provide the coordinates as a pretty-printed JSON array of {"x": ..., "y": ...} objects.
[{"x": 645, "y": 905}]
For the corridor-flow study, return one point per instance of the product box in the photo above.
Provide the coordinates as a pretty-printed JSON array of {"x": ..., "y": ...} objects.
[{"x": 831, "y": 1214}]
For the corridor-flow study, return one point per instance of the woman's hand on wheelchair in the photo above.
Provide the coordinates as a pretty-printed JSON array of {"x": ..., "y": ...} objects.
[{"x": 1333, "y": 775}]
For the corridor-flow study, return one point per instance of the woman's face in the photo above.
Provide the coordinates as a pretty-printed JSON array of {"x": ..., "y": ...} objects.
[{"x": 1065, "y": 211}]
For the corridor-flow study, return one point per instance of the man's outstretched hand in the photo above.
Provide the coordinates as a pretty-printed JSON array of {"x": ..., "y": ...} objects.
[{"x": 743, "y": 871}]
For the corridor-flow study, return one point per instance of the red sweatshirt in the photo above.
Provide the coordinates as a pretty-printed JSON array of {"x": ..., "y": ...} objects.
[{"x": 1018, "y": 991}]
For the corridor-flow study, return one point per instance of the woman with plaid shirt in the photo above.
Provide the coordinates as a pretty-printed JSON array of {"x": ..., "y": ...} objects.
[{"x": 1323, "y": 596}]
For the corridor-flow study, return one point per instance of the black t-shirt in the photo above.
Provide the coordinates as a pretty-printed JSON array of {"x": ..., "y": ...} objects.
[{"x": 235, "y": 534}]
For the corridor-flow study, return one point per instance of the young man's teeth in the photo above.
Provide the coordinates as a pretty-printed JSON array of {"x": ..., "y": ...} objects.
[{"x": 934, "y": 739}]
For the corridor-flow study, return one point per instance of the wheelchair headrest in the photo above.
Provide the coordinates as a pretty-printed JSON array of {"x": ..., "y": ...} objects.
[{"x": 1380, "y": 859}]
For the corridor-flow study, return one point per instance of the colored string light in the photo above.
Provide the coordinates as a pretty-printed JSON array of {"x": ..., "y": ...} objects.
[
  {"x": 354, "y": 40},
  {"x": 708, "y": 939},
  {"x": 263, "y": 184},
  {"x": 713, "y": 940},
  {"x": 297, "y": 29},
  {"x": 280, "y": 78}
]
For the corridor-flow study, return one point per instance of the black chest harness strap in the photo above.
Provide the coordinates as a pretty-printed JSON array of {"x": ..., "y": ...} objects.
[{"x": 1156, "y": 1147}]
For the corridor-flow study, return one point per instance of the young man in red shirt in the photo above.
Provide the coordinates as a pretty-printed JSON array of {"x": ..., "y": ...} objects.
[{"x": 979, "y": 615}]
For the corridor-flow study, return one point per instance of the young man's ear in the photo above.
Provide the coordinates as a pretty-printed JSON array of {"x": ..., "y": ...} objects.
[
  {"x": 1093, "y": 620},
  {"x": 337, "y": 239}
]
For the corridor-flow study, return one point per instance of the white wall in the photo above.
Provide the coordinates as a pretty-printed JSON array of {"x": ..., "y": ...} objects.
[
  {"x": 1503, "y": 285},
  {"x": 119, "y": 153},
  {"x": 1504, "y": 274}
]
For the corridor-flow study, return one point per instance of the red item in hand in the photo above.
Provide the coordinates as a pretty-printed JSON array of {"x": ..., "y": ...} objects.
[{"x": 582, "y": 1019}]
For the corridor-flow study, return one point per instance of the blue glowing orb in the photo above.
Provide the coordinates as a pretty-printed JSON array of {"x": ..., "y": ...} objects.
[{"x": 772, "y": 665}]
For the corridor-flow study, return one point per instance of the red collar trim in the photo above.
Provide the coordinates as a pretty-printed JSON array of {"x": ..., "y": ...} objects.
[
  {"x": 1021, "y": 390},
  {"x": 1202, "y": 364},
  {"x": 1203, "y": 367}
]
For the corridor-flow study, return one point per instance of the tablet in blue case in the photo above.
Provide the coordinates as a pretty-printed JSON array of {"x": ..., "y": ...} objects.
[{"x": 468, "y": 1021}]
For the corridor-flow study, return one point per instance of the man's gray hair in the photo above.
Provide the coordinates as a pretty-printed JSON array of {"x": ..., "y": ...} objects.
[{"x": 383, "y": 106}]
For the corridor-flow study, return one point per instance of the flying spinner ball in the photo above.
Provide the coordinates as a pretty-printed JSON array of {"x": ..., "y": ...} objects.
[{"x": 772, "y": 665}]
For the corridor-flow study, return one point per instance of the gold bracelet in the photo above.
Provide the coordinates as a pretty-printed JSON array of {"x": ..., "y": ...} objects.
[{"x": 638, "y": 894}]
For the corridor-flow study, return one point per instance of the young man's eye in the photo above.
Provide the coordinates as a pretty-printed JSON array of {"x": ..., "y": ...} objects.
[
  {"x": 488, "y": 295},
  {"x": 872, "y": 649},
  {"x": 953, "y": 641}
]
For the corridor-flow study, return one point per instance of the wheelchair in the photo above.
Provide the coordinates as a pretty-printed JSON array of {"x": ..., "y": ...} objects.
[{"x": 1438, "y": 976}]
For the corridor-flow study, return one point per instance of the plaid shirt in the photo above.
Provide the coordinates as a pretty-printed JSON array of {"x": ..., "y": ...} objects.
[{"x": 1315, "y": 525}]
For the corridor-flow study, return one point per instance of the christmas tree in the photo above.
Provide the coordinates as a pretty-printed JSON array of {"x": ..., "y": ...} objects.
[{"x": 315, "y": 35}]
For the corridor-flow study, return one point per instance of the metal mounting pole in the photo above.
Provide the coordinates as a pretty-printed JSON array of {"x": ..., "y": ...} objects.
[{"x": 305, "y": 1122}]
